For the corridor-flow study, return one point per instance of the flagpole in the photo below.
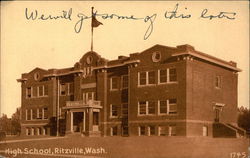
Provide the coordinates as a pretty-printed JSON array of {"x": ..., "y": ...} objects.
[{"x": 92, "y": 12}]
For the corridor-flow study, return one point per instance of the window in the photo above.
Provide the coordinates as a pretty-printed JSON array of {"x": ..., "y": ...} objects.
[
  {"x": 87, "y": 71},
  {"x": 142, "y": 131},
  {"x": 163, "y": 76},
  {"x": 39, "y": 113},
  {"x": 45, "y": 113},
  {"x": 163, "y": 107},
  {"x": 28, "y": 92},
  {"x": 114, "y": 110},
  {"x": 151, "y": 77},
  {"x": 34, "y": 91},
  {"x": 172, "y": 106},
  {"x": 114, "y": 83},
  {"x": 28, "y": 114},
  {"x": 142, "y": 78},
  {"x": 46, "y": 90},
  {"x": 146, "y": 107},
  {"x": 33, "y": 114},
  {"x": 125, "y": 109},
  {"x": 162, "y": 130},
  {"x": 88, "y": 96},
  {"x": 218, "y": 82},
  {"x": 168, "y": 106},
  {"x": 151, "y": 130},
  {"x": 40, "y": 91},
  {"x": 125, "y": 81},
  {"x": 204, "y": 131},
  {"x": 146, "y": 78},
  {"x": 142, "y": 108},
  {"x": 167, "y": 75},
  {"x": 156, "y": 56},
  {"x": 114, "y": 131},
  {"x": 63, "y": 89},
  {"x": 172, "y": 75},
  {"x": 172, "y": 130},
  {"x": 151, "y": 107},
  {"x": 70, "y": 88}
]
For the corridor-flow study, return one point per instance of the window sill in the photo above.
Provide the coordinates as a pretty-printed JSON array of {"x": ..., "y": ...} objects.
[
  {"x": 38, "y": 97},
  {"x": 140, "y": 115},
  {"x": 150, "y": 85},
  {"x": 38, "y": 120},
  {"x": 113, "y": 117},
  {"x": 112, "y": 90}
]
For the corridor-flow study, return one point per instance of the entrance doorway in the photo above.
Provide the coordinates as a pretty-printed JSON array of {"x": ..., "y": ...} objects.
[{"x": 77, "y": 121}]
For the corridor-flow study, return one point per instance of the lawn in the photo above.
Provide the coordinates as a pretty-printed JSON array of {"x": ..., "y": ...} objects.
[{"x": 135, "y": 147}]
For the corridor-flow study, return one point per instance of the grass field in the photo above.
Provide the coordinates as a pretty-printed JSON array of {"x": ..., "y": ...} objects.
[{"x": 132, "y": 147}]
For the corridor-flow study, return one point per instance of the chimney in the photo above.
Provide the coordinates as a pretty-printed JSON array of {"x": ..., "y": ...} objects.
[{"x": 185, "y": 47}]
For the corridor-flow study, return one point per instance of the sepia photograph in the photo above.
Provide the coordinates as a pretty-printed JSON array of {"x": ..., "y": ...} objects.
[{"x": 124, "y": 79}]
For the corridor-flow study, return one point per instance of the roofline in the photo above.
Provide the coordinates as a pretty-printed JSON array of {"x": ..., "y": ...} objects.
[
  {"x": 116, "y": 65},
  {"x": 63, "y": 74},
  {"x": 210, "y": 59},
  {"x": 21, "y": 79}
]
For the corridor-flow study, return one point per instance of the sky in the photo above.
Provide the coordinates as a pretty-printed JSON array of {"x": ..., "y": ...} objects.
[{"x": 27, "y": 44}]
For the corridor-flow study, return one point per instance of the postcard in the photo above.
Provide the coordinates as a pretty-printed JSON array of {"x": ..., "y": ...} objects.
[{"x": 125, "y": 79}]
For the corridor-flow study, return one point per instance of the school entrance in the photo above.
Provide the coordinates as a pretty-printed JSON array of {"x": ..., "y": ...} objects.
[{"x": 83, "y": 117}]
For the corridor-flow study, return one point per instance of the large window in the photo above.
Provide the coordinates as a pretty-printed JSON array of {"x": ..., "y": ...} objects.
[
  {"x": 151, "y": 130},
  {"x": 33, "y": 114},
  {"x": 162, "y": 130},
  {"x": 146, "y": 107},
  {"x": 40, "y": 91},
  {"x": 66, "y": 88},
  {"x": 142, "y": 78},
  {"x": 167, "y": 75},
  {"x": 45, "y": 113},
  {"x": 172, "y": 130},
  {"x": 142, "y": 131},
  {"x": 142, "y": 108},
  {"x": 114, "y": 83},
  {"x": 151, "y": 77},
  {"x": 28, "y": 114},
  {"x": 88, "y": 96},
  {"x": 113, "y": 110},
  {"x": 163, "y": 107},
  {"x": 34, "y": 91},
  {"x": 146, "y": 78},
  {"x": 172, "y": 75},
  {"x": 125, "y": 81},
  {"x": 151, "y": 107},
  {"x": 70, "y": 88},
  {"x": 39, "y": 113},
  {"x": 163, "y": 76},
  {"x": 172, "y": 106},
  {"x": 168, "y": 106},
  {"x": 63, "y": 89},
  {"x": 46, "y": 90},
  {"x": 28, "y": 92}
]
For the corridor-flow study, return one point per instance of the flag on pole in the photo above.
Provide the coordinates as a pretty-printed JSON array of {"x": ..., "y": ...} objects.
[{"x": 95, "y": 22}]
